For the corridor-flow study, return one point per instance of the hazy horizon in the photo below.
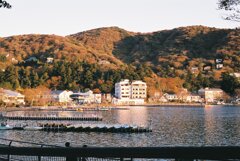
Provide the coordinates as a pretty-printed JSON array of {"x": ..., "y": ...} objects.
[{"x": 62, "y": 18}]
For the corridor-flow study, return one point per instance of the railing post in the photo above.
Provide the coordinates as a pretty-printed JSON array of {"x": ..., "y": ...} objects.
[
  {"x": 40, "y": 157},
  {"x": 9, "y": 154},
  {"x": 83, "y": 158},
  {"x": 70, "y": 158}
]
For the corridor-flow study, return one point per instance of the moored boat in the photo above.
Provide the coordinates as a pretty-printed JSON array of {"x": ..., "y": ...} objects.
[{"x": 5, "y": 127}]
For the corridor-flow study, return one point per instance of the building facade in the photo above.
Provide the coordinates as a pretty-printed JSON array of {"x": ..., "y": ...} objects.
[
  {"x": 86, "y": 97},
  {"x": 138, "y": 89},
  {"x": 62, "y": 96},
  {"x": 11, "y": 97},
  {"x": 127, "y": 92},
  {"x": 211, "y": 95},
  {"x": 122, "y": 89}
]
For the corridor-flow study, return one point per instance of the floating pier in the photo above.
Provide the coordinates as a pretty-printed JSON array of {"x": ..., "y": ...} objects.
[
  {"x": 117, "y": 128},
  {"x": 113, "y": 128},
  {"x": 53, "y": 118}
]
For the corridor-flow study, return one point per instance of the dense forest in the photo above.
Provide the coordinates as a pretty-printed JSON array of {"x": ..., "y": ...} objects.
[{"x": 167, "y": 60}]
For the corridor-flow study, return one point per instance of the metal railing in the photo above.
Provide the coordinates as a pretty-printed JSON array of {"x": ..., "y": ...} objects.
[{"x": 41, "y": 152}]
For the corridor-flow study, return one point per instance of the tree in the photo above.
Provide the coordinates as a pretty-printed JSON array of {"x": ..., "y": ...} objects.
[
  {"x": 4, "y": 4},
  {"x": 229, "y": 83},
  {"x": 37, "y": 96},
  {"x": 232, "y": 6}
]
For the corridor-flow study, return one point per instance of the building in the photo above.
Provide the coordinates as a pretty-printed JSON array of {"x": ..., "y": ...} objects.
[
  {"x": 219, "y": 61},
  {"x": 103, "y": 62},
  {"x": 211, "y": 95},
  {"x": 193, "y": 98},
  {"x": 122, "y": 89},
  {"x": 127, "y": 92},
  {"x": 237, "y": 75},
  {"x": 11, "y": 97},
  {"x": 62, "y": 96},
  {"x": 171, "y": 97},
  {"x": 107, "y": 98},
  {"x": 31, "y": 59},
  {"x": 138, "y": 89},
  {"x": 86, "y": 97},
  {"x": 207, "y": 68},
  {"x": 186, "y": 97},
  {"x": 219, "y": 66},
  {"x": 49, "y": 60},
  {"x": 194, "y": 70}
]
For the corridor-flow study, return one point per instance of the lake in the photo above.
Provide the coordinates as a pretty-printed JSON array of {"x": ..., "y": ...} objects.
[{"x": 172, "y": 126}]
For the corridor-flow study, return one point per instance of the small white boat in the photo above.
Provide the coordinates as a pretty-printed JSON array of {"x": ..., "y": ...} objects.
[
  {"x": 117, "y": 126},
  {"x": 5, "y": 127},
  {"x": 32, "y": 128}
]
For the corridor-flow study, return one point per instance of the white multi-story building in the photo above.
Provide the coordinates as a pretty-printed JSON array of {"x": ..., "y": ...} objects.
[
  {"x": 128, "y": 92},
  {"x": 122, "y": 89},
  {"x": 138, "y": 90}
]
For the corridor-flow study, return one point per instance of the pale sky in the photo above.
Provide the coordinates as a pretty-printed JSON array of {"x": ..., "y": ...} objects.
[{"x": 63, "y": 17}]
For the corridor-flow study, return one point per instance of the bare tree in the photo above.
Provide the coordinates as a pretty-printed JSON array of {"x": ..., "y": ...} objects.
[
  {"x": 233, "y": 6},
  {"x": 4, "y": 4}
]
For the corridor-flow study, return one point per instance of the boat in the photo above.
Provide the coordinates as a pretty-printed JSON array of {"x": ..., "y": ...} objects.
[
  {"x": 79, "y": 109},
  {"x": 5, "y": 127},
  {"x": 33, "y": 128}
]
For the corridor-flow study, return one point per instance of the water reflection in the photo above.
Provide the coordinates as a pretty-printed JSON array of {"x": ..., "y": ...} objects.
[
  {"x": 135, "y": 115},
  {"x": 193, "y": 126}
]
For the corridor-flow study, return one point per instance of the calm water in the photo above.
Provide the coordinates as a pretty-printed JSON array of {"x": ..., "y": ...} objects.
[{"x": 216, "y": 125}]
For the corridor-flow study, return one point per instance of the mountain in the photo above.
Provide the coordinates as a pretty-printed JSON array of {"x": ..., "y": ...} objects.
[
  {"x": 22, "y": 47},
  {"x": 96, "y": 59},
  {"x": 178, "y": 48},
  {"x": 102, "y": 40},
  {"x": 193, "y": 41}
]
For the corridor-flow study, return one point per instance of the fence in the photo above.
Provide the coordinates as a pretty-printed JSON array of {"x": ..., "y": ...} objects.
[{"x": 57, "y": 153}]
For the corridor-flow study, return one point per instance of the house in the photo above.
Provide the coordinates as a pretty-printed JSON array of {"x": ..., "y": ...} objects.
[
  {"x": 127, "y": 92},
  {"x": 163, "y": 99},
  {"x": 171, "y": 97},
  {"x": 11, "y": 97},
  {"x": 31, "y": 59},
  {"x": 62, "y": 96},
  {"x": 237, "y": 75},
  {"x": 107, "y": 97},
  {"x": 219, "y": 66},
  {"x": 49, "y": 60},
  {"x": 193, "y": 98},
  {"x": 14, "y": 60},
  {"x": 194, "y": 70},
  {"x": 207, "y": 67},
  {"x": 219, "y": 61},
  {"x": 103, "y": 62},
  {"x": 237, "y": 101},
  {"x": 211, "y": 95},
  {"x": 155, "y": 97},
  {"x": 86, "y": 97}
]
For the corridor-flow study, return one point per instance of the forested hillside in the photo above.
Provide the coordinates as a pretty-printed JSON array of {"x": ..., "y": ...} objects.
[{"x": 96, "y": 59}]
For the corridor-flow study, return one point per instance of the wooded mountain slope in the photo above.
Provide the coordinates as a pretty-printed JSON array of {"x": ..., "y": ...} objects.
[
  {"x": 107, "y": 44},
  {"x": 181, "y": 45},
  {"x": 102, "y": 56}
]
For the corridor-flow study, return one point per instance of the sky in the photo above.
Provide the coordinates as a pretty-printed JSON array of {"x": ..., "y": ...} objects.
[{"x": 64, "y": 17}]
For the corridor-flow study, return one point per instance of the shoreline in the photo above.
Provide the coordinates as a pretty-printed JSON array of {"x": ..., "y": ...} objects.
[{"x": 33, "y": 108}]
